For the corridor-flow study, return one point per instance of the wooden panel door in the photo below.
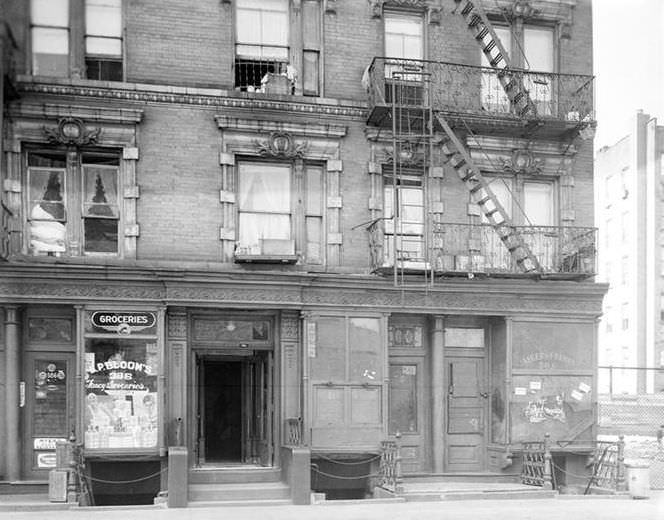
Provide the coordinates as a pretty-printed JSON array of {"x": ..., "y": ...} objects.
[
  {"x": 48, "y": 400},
  {"x": 466, "y": 414},
  {"x": 406, "y": 411}
]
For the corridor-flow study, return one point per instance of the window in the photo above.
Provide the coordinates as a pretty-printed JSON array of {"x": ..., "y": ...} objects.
[
  {"x": 534, "y": 52},
  {"x": 528, "y": 203},
  {"x": 624, "y": 225},
  {"x": 531, "y": 205},
  {"x": 279, "y": 206},
  {"x": 103, "y": 39},
  {"x": 72, "y": 214},
  {"x": 538, "y": 203},
  {"x": 50, "y": 37},
  {"x": 404, "y": 218},
  {"x": 403, "y": 36},
  {"x": 404, "y": 41},
  {"x": 608, "y": 320},
  {"x": 347, "y": 363},
  {"x": 97, "y": 52},
  {"x": 624, "y": 270},
  {"x": 538, "y": 55},
  {"x": 261, "y": 41},
  {"x": 494, "y": 97},
  {"x": 311, "y": 36},
  {"x": 625, "y": 316}
]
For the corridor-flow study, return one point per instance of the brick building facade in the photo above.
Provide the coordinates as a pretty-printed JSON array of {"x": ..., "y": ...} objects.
[{"x": 232, "y": 226}]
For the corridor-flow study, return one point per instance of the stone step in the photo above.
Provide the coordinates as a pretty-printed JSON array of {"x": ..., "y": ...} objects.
[
  {"x": 233, "y": 475},
  {"x": 514, "y": 478},
  {"x": 480, "y": 495},
  {"x": 239, "y": 492},
  {"x": 239, "y": 503}
]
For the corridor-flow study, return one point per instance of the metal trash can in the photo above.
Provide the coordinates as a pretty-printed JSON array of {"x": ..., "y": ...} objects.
[{"x": 638, "y": 480}]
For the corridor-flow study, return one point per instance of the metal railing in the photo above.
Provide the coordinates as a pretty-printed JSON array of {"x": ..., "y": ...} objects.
[
  {"x": 5, "y": 235},
  {"x": 467, "y": 248},
  {"x": 472, "y": 90},
  {"x": 389, "y": 472},
  {"x": 293, "y": 436},
  {"x": 251, "y": 73}
]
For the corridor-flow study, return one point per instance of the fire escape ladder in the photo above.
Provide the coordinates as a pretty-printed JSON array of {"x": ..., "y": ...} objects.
[
  {"x": 456, "y": 155},
  {"x": 486, "y": 37}
]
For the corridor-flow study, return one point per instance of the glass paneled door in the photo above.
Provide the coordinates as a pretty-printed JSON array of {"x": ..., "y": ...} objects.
[
  {"x": 47, "y": 398},
  {"x": 407, "y": 399}
]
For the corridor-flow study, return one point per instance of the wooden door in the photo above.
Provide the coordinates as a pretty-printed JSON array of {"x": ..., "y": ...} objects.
[
  {"x": 406, "y": 411},
  {"x": 48, "y": 400},
  {"x": 260, "y": 392},
  {"x": 199, "y": 419},
  {"x": 466, "y": 414}
]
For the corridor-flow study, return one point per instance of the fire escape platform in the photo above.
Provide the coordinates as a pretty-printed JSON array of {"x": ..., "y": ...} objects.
[{"x": 498, "y": 124}]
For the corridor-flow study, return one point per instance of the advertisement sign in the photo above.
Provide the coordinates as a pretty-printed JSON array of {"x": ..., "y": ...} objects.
[
  {"x": 122, "y": 405},
  {"x": 123, "y": 322}
]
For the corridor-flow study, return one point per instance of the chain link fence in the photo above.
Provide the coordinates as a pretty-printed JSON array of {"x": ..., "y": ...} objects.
[{"x": 631, "y": 403}]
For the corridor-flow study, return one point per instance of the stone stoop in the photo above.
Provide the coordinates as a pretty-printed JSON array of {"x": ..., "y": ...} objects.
[
  {"x": 235, "y": 487},
  {"x": 469, "y": 487}
]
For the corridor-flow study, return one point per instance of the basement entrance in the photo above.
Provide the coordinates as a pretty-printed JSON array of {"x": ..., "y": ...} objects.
[{"x": 233, "y": 412}]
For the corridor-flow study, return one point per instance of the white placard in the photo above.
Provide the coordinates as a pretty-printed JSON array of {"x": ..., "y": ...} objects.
[
  {"x": 535, "y": 385},
  {"x": 311, "y": 339},
  {"x": 46, "y": 443},
  {"x": 46, "y": 459},
  {"x": 584, "y": 388},
  {"x": 577, "y": 395},
  {"x": 520, "y": 390}
]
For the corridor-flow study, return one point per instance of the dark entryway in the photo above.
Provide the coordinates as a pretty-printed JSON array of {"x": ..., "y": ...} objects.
[
  {"x": 223, "y": 410},
  {"x": 234, "y": 412}
]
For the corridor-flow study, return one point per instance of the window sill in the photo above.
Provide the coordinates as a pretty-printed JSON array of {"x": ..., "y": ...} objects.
[{"x": 265, "y": 259}]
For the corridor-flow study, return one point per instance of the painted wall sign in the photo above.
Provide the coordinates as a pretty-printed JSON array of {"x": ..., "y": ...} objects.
[
  {"x": 46, "y": 443},
  {"x": 123, "y": 322},
  {"x": 46, "y": 460}
]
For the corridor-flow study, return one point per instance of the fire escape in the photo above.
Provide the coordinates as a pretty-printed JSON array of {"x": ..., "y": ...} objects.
[{"x": 431, "y": 109}]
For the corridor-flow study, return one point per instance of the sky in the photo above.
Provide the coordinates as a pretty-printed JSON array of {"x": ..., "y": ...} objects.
[{"x": 628, "y": 61}]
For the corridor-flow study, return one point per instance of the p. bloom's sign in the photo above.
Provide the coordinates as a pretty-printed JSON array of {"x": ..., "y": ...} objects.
[{"x": 123, "y": 322}]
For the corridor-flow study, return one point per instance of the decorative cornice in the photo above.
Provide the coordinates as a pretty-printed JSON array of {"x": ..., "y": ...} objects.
[
  {"x": 147, "y": 96},
  {"x": 550, "y": 158},
  {"x": 490, "y": 298},
  {"x": 559, "y": 11},
  {"x": 59, "y": 111},
  {"x": 433, "y": 7},
  {"x": 263, "y": 126}
]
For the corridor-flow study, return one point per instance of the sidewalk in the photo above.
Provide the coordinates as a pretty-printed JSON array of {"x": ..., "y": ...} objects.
[{"x": 563, "y": 507}]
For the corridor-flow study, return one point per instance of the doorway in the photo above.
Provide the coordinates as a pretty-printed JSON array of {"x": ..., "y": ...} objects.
[
  {"x": 222, "y": 409},
  {"x": 234, "y": 409}
]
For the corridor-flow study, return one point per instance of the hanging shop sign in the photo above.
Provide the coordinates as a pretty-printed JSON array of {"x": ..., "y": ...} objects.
[{"x": 122, "y": 322}]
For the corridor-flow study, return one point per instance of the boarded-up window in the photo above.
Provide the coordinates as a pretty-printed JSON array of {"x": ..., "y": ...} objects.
[{"x": 346, "y": 361}]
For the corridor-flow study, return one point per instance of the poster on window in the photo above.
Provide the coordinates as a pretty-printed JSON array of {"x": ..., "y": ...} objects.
[{"x": 121, "y": 399}]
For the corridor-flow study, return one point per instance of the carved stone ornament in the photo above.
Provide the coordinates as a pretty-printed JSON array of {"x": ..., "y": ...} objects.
[
  {"x": 409, "y": 155},
  {"x": 433, "y": 7},
  {"x": 523, "y": 161},
  {"x": 521, "y": 9},
  {"x": 281, "y": 144},
  {"x": 331, "y": 6},
  {"x": 71, "y": 132}
]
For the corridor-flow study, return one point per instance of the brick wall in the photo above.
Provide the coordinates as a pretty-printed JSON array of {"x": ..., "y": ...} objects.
[
  {"x": 179, "y": 43},
  {"x": 179, "y": 178}
]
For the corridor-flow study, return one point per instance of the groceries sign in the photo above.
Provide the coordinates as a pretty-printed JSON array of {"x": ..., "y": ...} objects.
[{"x": 123, "y": 322}]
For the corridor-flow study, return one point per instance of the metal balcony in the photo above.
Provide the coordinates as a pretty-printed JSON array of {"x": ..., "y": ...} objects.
[
  {"x": 565, "y": 253},
  {"x": 474, "y": 96}
]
